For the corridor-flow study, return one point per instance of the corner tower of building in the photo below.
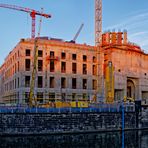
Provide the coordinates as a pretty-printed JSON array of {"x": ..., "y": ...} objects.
[{"x": 129, "y": 77}]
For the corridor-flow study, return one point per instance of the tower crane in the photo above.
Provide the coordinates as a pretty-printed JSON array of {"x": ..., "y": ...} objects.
[
  {"x": 98, "y": 21},
  {"x": 32, "y": 100},
  {"x": 32, "y": 13}
]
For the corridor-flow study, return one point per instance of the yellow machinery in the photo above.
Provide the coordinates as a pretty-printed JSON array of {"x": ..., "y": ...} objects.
[
  {"x": 32, "y": 101},
  {"x": 73, "y": 104},
  {"x": 61, "y": 104},
  {"x": 128, "y": 99},
  {"x": 109, "y": 83}
]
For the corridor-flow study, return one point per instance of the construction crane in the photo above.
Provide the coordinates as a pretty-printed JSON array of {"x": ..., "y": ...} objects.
[
  {"x": 98, "y": 21},
  {"x": 32, "y": 13},
  {"x": 40, "y": 22},
  {"x": 77, "y": 34},
  {"x": 32, "y": 99}
]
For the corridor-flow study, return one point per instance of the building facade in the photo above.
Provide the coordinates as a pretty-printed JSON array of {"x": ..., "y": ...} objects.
[
  {"x": 69, "y": 71},
  {"x": 130, "y": 65},
  {"x": 65, "y": 71}
]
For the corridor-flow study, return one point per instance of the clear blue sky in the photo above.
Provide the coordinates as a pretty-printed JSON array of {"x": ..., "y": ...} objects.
[{"x": 67, "y": 16}]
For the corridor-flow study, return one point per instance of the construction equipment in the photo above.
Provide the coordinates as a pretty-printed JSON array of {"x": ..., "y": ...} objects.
[
  {"x": 77, "y": 34},
  {"x": 109, "y": 83},
  {"x": 40, "y": 22},
  {"x": 32, "y": 99},
  {"x": 128, "y": 99},
  {"x": 32, "y": 13}
]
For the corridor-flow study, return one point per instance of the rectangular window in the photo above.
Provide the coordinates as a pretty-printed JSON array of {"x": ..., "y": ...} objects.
[
  {"x": 73, "y": 96},
  {"x": 63, "y": 67},
  {"x": 94, "y": 87},
  {"x": 15, "y": 56},
  {"x": 84, "y": 83},
  {"x": 40, "y": 97},
  {"x": 74, "y": 56},
  {"x": 84, "y": 96},
  {"x": 40, "y": 65},
  {"x": 63, "y": 55},
  {"x": 84, "y": 69},
  {"x": 84, "y": 58},
  {"x": 94, "y": 72},
  {"x": 74, "y": 68},
  {"x": 27, "y": 81},
  {"x": 63, "y": 82},
  {"x": 18, "y": 83},
  {"x": 51, "y": 54},
  {"x": 94, "y": 59},
  {"x": 74, "y": 83},
  {"x": 26, "y": 97},
  {"x": 63, "y": 97},
  {"x": 52, "y": 96},
  {"x": 52, "y": 81},
  {"x": 40, "y": 82},
  {"x": 18, "y": 67},
  {"x": 15, "y": 68},
  {"x": 15, "y": 83},
  {"x": 27, "y": 52},
  {"x": 52, "y": 66},
  {"x": 40, "y": 53},
  {"x": 27, "y": 64}
]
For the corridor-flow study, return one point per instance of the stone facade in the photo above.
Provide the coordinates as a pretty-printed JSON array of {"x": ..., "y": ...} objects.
[
  {"x": 64, "y": 69},
  {"x": 73, "y": 71},
  {"x": 130, "y": 65}
]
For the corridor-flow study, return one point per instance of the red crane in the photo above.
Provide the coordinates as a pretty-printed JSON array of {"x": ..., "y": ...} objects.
[{"x": 32, "y": 12}]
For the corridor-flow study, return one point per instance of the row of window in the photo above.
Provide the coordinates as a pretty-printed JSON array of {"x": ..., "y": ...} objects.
[
  {"x": 15, "y": 83},
  {"x": 12, "y": 84},
  {"x": 51, "y": 96},
  {"x": 63, "y": 67},
  {"x": 63, "y": 55},
  {"x": 12, "y": 59},
  {"x": 63, "y": 82},
  {"x": 12, "y": 70}
]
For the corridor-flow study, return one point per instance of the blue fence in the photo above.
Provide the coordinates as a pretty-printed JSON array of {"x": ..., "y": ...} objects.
[{"x": 96, "y": 108}]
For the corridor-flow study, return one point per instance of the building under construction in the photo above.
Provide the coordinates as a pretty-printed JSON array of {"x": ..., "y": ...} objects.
[
  {"x": 72, "y": 72},
  {"x": 65, "y": 71},
  {"x": 111, "y": 70}
]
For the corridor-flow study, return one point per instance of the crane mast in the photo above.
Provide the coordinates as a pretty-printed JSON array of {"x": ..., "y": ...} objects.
[{"x": 98, "y": 21}]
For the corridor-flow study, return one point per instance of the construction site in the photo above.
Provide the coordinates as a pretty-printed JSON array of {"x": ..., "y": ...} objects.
[{"x": 51, "y": 72}]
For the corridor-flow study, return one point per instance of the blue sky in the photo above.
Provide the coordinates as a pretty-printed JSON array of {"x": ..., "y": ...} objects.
[{"x": 67, "y": 16}]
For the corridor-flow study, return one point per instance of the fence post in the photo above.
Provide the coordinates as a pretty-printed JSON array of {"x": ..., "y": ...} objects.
[{"x": 123, "y": 122}]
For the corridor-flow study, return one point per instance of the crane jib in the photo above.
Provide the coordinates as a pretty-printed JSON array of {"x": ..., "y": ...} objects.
[
  {"x": 32, "y": 12},
  {"x": 28, "y": 10}
]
